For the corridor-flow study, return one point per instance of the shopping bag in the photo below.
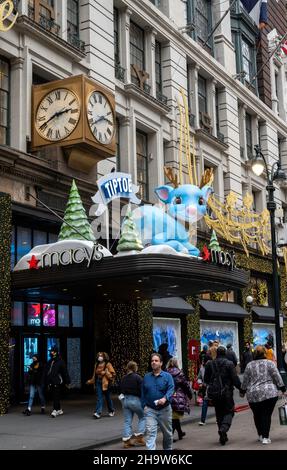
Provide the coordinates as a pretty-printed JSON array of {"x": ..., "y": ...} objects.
[{"x": 283, "y": 414}]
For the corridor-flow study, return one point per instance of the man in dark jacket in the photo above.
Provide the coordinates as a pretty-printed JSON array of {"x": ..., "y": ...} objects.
[
  {"x": 224, "y": 406},
  {"x": 247, "y": 356},
  {"x": 56, "y": 375},
  {"x": 230, "y": 354}
]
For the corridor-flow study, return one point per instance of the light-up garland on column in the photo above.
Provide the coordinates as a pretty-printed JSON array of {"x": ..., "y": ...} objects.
[{"x": 5, "y": 298}]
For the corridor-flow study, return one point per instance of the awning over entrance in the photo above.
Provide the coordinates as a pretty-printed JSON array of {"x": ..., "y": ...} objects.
[
  {"x": 174, "y": 305},
  {"x": 264, "y": 313},
  {"x": 222, "y": 309}
]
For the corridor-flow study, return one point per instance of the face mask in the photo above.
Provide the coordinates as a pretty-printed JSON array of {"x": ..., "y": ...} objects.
[{"x": 100, "y": 359}]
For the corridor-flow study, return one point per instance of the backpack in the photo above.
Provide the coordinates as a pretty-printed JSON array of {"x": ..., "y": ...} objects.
[{"x": 216, "y": 390}]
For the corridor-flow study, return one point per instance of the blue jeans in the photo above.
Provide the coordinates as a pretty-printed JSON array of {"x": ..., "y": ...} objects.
[
  {"x": 100, "y": 398},
  {"x": 204, "y": 409},
  {"x": 163, "y": 419},
  {"x": 33, "y": 390},
  {"x": 131, "y": 406}
]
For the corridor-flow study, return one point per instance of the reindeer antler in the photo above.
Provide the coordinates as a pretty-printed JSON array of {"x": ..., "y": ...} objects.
[
  {"x": 207, "y": 177},
  {"x": 173, "y": 178}
]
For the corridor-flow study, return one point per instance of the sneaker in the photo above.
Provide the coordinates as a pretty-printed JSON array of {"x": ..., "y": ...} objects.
[
  {"x": 27, "y": 412},
  {"x": 54, "y": 414},
  {"x": 97, "y": 415},
  {"x": 260, "y": 439},
  {"x": 181, "y": 436},
  {"x": 60, "y": 412},
  {"x": 266, "y": 440},
  {"x": 111, "y": 414},
  {"x": 223, "y": 437},
  {"x": 201, "y": 423}
]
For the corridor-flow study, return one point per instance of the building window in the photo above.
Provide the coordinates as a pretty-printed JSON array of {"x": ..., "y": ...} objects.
[
  {"x": 155, "y": 2},
  {"x": 248, "y": 128},
  {"x": 158, "y": 75},
  {"x": 25, "y": 238},
  {"x": 116, "y": 36},
  {"x": 73, "y": 17},
  {"x": 247, "y": 61},
  {"x": 202, "y": 20},
  {"x": 227, "y": 296},
  {"x": 4, "y": 101},
  {"x": 137, "y": 46},
  {"x": 202, "y": 95},
  {"x": 142, "y": 165},
  {"x": 43, "y": 13}
]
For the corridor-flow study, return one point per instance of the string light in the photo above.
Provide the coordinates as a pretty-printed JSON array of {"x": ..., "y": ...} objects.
[{"x": 5, "y": 298}]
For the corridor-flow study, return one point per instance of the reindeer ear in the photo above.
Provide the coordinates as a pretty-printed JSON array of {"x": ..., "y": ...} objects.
[
  {"x": 207, "y": 191},
  {"x": 163, "y": 193}
]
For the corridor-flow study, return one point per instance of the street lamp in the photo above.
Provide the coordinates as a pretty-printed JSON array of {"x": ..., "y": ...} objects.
[{"x": 258, "y": 165}]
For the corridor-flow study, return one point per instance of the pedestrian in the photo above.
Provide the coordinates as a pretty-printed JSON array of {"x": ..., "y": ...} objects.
[
  {"x": 284, "y": 356},
  {"x": 157, "y": 390},
  {"x": 247, "y": 356},
  {"x": 221, "y": 371},
  {"x": 35, "y": 379},
  {"x": 202, "y": 393},
  {"x": 103, "y": 377},
  {"x": 203, "y": 354},
  {"x": 230, "y": 354},
  {"x": 56, "y": 375},
  {"x": 180, "y": 401},
  {"x": 166, "y": 356},
  {"x": 212, "y": 349},
  {"x": 131, "y": 387},
  {"x": 269, "y": 352},
  {"x": 261, "y": 382}
]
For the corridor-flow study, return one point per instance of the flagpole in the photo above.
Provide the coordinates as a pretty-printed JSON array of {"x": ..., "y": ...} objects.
[
  {"x": 268, "y": 59},
  {"x": 219, "y": 22}
]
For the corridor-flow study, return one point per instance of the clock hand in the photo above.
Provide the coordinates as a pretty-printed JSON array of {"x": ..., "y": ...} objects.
[{"x": 58, "y": 113}]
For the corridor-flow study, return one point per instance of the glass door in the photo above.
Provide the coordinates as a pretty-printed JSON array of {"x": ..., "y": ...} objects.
[{"x": 30, "y": 346}]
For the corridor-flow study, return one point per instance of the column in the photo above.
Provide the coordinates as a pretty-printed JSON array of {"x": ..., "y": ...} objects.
[
  {"x": 150, "y": 36},
  {"x": 125, "y": 18},
  {"x": 211, "y": 104},
  {"x": 19, "y": 111},
  {"x": 61, "y": 17},
  {"x": 194, "y": 102},
  {"x": 223, "y": 47},
  {"x": 274, "y": 97},
  {"x": 128, "y": 135}
]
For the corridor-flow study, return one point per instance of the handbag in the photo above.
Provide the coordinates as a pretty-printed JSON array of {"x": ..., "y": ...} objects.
[
  {"x": 195, "y": 385},
  {"x": 283, "y": 414}
]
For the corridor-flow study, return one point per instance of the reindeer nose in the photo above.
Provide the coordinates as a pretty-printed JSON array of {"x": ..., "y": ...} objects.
[{"x": 191, "y": 210}]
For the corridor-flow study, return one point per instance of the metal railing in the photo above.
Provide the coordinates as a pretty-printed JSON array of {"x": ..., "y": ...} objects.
[
  {"x": 220, "y": 136},
  {"x": 46, "y": 23},
  {"x": 146, "y": 88},
  {"x": 160, "y": 97},
  {"x": 75, "y": 41},
  {"x": 120, "y": 72},
  {"x": 192, "y": 120}
]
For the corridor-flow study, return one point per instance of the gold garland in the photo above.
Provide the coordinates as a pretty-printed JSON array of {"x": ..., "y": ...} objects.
[{"x": 5, "y": 298}]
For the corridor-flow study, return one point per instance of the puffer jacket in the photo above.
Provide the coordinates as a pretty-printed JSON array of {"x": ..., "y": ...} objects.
[{"x": 182, "y": 392}]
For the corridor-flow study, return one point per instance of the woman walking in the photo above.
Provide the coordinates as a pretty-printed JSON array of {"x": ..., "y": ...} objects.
[
  {"x": 182, "y": 395},
  {"x": 131, "y": 385},
  {"x": 102, "y": 378},
  {"x": 261, "y": 382}
]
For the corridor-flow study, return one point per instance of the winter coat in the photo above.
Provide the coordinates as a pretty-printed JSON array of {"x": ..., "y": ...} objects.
[
  {"x": 56, "y": 372},
  {"x": 247, "y": 357},
  {"x": 35, "y": 374},
  {"x": 231, "y": 356},
  {"x": 182, "y": 392},
  {"x": 104, "y": 372}
]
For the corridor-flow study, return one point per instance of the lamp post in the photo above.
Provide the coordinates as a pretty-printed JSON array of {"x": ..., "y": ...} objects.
[{"x": 259, "y": 163}]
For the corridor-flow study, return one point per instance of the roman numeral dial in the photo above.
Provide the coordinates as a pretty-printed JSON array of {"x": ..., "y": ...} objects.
[
  {"x": 58, "y": 114},
  {"x": 100, "y": 117}
]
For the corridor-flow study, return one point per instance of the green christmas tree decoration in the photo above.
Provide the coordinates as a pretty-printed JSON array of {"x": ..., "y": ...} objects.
[
  {"x": 75, "y": 215},
  {"x": 214, "y": 245},
  {"x": 130, "y": 239}
]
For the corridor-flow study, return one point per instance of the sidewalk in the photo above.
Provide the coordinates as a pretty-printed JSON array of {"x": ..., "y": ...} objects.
[{"x": 76, "y": 429}]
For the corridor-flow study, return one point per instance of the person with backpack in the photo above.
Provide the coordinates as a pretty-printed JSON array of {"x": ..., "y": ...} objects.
[{"x": 221, "y": 378}]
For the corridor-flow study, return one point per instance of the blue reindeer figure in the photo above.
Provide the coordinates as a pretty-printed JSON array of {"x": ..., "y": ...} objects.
[{"x": 185, "y": 204}]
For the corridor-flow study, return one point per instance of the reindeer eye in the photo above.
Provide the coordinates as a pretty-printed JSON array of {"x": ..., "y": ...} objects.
[
  {"x": 177, "y": 200},
  {"x": 201, "y": 201}
]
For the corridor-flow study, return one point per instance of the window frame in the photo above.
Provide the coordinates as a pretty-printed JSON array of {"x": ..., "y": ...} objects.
[
  {"x": 248, "y": 133},
  {"x": 143, "y": 185},
  {"x": 134, "y": 46},
  {"x": 76, "y": 27},
  {"x": 7, "y": 128}
]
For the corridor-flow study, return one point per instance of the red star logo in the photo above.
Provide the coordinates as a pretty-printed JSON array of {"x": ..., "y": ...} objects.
[
  {"x": 33, "y": 263},
  {"x": 206, "y": 256}
]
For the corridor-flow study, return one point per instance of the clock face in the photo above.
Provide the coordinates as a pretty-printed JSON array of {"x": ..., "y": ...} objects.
[
  {"x": 100, "y": 117},
  {"x": 58, "y": 114}
]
